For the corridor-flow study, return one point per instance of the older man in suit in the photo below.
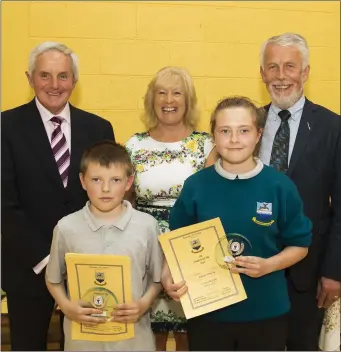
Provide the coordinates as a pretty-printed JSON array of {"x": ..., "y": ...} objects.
[
  {"x": 41, "y": 146},
  {"x": 303, "y": 140}
]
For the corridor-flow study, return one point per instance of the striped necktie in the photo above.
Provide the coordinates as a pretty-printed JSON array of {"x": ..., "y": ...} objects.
[
  {"x": 60, "y": 149},
  {"x": 280, "y": 148}
]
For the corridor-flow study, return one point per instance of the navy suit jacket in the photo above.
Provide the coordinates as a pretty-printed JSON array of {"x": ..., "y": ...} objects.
[{"x": 315, "y": 168}]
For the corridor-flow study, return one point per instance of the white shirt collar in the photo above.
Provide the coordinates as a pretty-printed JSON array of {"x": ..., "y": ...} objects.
[
  {"x": 222, "y": 172},
  {"x": 294, "y": 110},
  {"x": 46, "y": 115}
]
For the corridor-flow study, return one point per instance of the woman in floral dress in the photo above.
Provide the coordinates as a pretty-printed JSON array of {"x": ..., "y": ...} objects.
[
  {"x": 164, "y": 156},
  {"x": 330, "y": 332}
]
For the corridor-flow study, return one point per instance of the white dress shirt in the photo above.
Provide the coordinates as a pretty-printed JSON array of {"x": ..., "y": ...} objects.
[
  {"x": 49, "y": 127},
  {"x": 272, "y": 124}
]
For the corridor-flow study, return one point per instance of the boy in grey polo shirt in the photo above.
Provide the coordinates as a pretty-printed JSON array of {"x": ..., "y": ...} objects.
[{"x": 108, "y": 225}]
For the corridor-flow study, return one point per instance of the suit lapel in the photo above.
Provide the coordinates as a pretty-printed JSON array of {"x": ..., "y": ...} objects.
[
  {"x": 79, "y": 139},
  {"x": 38, "y": 141},
  {"x": 304, "y": 129}
]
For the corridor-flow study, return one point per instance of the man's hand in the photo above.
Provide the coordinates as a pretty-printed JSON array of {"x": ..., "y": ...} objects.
[
  {"x": 129, "y": 312},
  {"x": 80, "y": 312},
  {"x": 328, "y": 291},
  {"x": 251, "y": 266}
]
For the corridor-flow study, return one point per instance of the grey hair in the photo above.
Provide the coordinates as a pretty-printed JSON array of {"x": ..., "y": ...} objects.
[
  {"x": 288, "y": 39},
  {"x": 48, "y": 46}
]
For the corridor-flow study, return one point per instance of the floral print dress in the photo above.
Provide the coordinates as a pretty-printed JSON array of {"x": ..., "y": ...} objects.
[
  {"x": 330, "y": 332},
  {"x": 160, "y": 171}
]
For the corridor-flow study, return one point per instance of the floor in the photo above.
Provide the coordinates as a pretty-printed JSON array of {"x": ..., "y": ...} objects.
[
  {"x": 54, "y": 333},
  {"x": 53, "y": 338}
]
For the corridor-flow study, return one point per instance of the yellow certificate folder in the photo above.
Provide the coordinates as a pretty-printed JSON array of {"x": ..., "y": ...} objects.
[
  {"x": 100, "y": 281},
  {"x": 195, "y": 254}
]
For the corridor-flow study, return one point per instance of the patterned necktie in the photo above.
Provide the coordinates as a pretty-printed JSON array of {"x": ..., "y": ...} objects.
[
  {"x": 280, "y": 148},
  {"x": 60, "y": 149}
]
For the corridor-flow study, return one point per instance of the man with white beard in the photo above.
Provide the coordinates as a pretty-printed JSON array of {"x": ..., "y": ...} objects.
[{"x": 303, "y": 140}]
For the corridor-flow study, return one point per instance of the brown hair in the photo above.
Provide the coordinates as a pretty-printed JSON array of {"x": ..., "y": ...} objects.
[
  {"x": 244, "y": 102},
  {"x": 191, "y": 116},
  {"x": 106, "y": 153}
]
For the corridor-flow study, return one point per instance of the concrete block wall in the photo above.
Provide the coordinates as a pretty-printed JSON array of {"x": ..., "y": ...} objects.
[{"x": 121, "y": 45}]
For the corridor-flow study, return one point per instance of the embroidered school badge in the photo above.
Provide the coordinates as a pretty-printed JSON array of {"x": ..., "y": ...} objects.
[
  {"x": 264, "y": 214},
  {"x": 264, "y": 210}
]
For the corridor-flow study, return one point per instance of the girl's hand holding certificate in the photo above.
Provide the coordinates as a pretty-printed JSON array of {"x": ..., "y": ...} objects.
[
  {"x": 177, "y": 290},
  {"x": 173, "y": 290}
]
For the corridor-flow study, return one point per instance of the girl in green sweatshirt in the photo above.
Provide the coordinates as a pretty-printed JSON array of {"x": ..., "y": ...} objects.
[{"x": 264, "y": 207}]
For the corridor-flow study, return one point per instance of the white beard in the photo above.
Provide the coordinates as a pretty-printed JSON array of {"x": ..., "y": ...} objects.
[{"x": 285, "y": 102}]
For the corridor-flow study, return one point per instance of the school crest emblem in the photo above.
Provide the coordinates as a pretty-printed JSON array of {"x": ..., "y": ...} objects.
[
  {"x": 98, "y": 301},
  {"x": 264, "y": 210},
  {"x": 100, "y": 278},
  {"x": 264, "y": 214},
  {"x": 236, "y": 247},
  {"x": 196, "y": 246}
]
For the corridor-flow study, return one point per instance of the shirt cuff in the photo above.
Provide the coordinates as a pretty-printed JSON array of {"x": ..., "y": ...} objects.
[{"x": 40, "y": 266}]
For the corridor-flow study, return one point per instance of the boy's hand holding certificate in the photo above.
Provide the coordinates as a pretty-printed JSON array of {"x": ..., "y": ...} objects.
[
  {"x": 196, "y": 254},
  {"x": 102, "y": 282}
]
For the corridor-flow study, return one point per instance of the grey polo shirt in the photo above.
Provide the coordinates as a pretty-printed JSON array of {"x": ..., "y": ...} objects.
[{"x": 134, "y": 234}]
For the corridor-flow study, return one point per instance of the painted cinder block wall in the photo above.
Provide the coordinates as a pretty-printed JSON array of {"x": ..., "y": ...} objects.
[{"x": 122, "y": 44}]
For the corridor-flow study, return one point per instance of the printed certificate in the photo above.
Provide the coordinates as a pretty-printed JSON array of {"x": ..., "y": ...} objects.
[
  {"x": 102, "y": 281},
  {"x": 196, "y": 254}
]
